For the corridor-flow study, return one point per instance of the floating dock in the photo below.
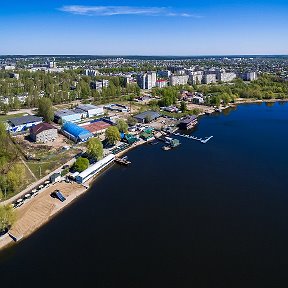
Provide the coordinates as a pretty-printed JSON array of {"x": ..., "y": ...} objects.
[
  {"x": 122, "y": 161},
  {"x": 204, "y": 141}
]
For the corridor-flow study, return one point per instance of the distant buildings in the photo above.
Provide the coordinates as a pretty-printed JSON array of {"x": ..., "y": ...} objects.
[
  {"x": 90, "y": 72},
  {"x": 164, "y": 73},
  {"x": 147, "y": 80},
  {"x": 249, "y": 76},
  {"x": 160, "y": 83},
  {"x": 23, "y": 123},
  {"x": 43, "y": 132},
  {"x": 178, "y": 80},
  {"x": 209, "y": 78},
  {"x": 99, "y": 85},
  {"x": 8, "y": 67},
  {"x": 225, "y": 77}
]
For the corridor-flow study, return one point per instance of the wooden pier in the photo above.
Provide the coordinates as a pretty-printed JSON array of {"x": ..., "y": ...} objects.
[{"x": 204, "y": 141}]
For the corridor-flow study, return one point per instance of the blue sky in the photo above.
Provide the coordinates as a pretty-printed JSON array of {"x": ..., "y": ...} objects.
[{"x": 144, "y": 27}]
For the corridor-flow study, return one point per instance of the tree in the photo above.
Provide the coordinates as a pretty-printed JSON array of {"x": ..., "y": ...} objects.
[
  {"x": 131, "y": 121},
  {"x": 148, "y": 119},
  {"x": 7, "y": 217},
  {"x": 45, "y": 109},
  {"x": 183, "y": 106},
  {"x": 95, "y": 148},
  {"x": 122, "y": 126},
  {"x": 81, "y": 164},
  {"x": 112, "y": 135},
  {"x": 15, "y": 177}
]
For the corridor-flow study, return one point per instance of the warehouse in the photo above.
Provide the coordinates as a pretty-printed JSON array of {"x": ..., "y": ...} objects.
[
  {"x": 75, "y": 132},
  {"x": 91, "y": 110},
  {"x": 95, "y": 169},
  {"x": 98, "y": 126},
  {"x": 43, "y": 132},
  {"x": 23, "y": 123},
  {"x": 66, "y": 115}
]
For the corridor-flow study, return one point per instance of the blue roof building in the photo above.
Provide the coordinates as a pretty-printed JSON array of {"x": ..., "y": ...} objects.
[{"x": 75, "y": 132}]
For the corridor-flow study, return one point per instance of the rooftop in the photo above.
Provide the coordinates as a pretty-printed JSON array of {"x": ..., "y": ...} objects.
[
  {"x": 189, "y": 119},
  {"x": 151, "y": 114},
  {"x": 25, "y": 120},
  {"x": 41, "y": 127},
  {"x": 87, "y": 107},
  {"x": 65, "y": 112}
]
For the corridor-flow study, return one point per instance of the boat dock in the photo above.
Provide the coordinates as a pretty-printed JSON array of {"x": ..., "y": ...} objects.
[
  {"x": 122, "y": 161},
  {"x": 204, "y": 141}
]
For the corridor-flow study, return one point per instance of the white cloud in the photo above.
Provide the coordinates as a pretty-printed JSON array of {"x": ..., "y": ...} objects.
[{"x": 124, "y": 10}]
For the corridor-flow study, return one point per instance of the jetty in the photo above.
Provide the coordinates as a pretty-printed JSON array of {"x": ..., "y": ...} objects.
[
  {"x": 122, "y": 161},
  {"x": 204, "y": 141}
]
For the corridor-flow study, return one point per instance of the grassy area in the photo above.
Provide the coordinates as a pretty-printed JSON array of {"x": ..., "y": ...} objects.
[
  {"x": 43, "y": 168},
  {"x": 4, "y": 118}
]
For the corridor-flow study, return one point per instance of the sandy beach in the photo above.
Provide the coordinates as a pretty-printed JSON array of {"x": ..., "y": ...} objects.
[{"x": 39, "y": 210}]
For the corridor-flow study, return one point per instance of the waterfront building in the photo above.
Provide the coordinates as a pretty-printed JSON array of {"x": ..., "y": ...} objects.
[
  {"x": 95, "y": 169},
  {"x": 23, "y": 123},
  {"x": 178, "y": 80},
  {"x": 147, "y": 80},
  {"x": 66, "y": 115},
  {"x": 147, "y": 116},
  {"x": 43, "y": 132},
  {"x": 188, "y": 122},
  {"x": 75, "y": 132}
]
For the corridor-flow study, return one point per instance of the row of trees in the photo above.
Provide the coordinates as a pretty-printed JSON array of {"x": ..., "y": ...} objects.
[
  {"x": 59, "y": 88},
  {"x": 12, "y": 173}
]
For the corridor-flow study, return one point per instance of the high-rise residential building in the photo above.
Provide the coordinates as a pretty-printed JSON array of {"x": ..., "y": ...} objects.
[
  {"x": 178, "y": 80},
  {"x": 147, "y": 80},
  {"x": 249, "y": 76},
  {"x": 209, "y": 78},
  {"x": 225, "y": 77}
]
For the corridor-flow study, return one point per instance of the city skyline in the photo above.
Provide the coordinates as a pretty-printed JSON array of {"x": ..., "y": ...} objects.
[{"x": 157, "y": 28}]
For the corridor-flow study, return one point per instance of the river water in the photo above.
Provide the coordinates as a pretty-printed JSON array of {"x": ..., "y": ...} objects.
[{"x": 201, "y": 215}]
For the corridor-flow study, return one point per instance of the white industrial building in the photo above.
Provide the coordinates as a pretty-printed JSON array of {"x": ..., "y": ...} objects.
[
  {"x": 95, "y": 169},
  {"x": 91, "y": 110}
]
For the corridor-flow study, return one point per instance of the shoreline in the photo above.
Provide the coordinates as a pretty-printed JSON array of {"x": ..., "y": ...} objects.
[
  {"x": 6, "y": 241},
  {"x": 71, "y": 195}
]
